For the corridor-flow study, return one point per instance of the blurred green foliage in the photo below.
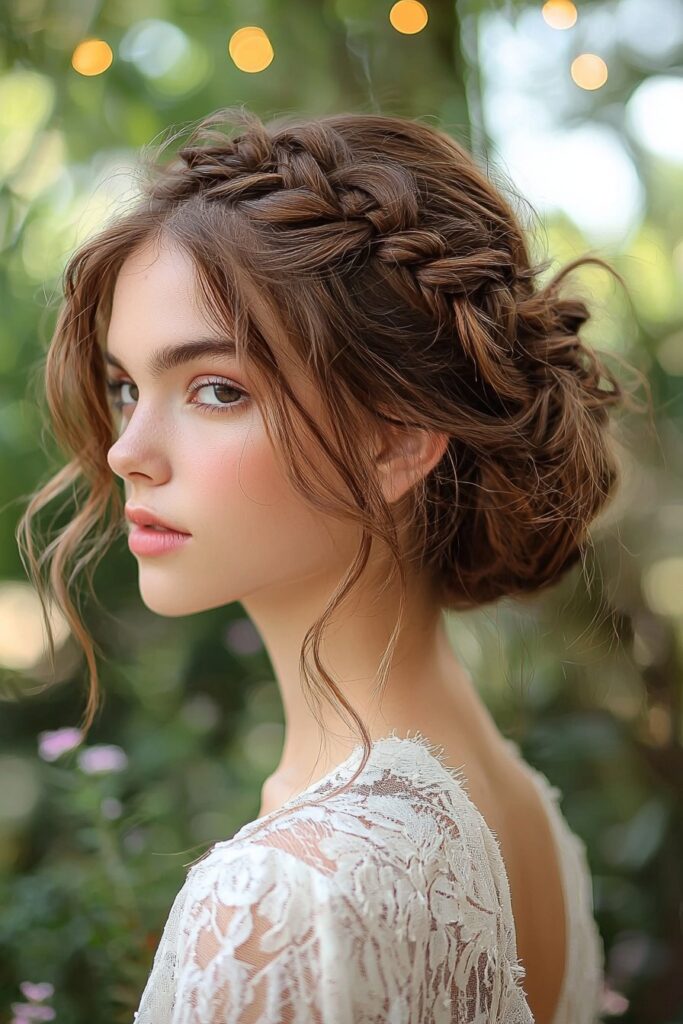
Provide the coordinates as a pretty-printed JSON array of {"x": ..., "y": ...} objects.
[{"x": 588, "y": 679}]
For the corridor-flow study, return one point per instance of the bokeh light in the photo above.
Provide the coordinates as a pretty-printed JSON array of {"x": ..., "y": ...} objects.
[
  {"x": 585, "y": 171},
  {"x": 408, "y": 16},
  {"x": 652, "y": 29},
  {"x": 652, "y": 112},
  {"x": 173, "y": 63},
  {"x": 250, "y": 49},
  {"x": 663, "y": 586},
  {"x": 22, "y": 631},
  {"x": 92, "y": 57},
  {"x": 589, "y": 71},
  {"x": 26, "y": 102},
  {"x": 559, "y": 14},
  {"x": 154, "y": 46}
]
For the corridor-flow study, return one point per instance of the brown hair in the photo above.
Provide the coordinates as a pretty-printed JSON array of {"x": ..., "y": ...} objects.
[{"x": 403, "y": 283}]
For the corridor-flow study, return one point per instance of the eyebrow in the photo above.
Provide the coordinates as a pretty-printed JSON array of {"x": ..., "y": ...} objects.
[{"x": 169, "y": 357}]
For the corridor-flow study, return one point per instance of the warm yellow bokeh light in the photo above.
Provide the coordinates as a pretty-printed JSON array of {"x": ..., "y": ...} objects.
[
  {"x": 408, "y": 16},
  {"x": 22, "y": 635},
  {"x": 559, "y": 13},
  {"x": 589, "y": 71},
  {"x": 92, "y": 57},
  {"x": 250, "y": 49},
  {"x": 663, "y": 586}
]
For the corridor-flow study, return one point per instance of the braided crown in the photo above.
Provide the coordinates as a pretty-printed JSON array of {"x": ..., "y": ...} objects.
[{"x": 313, "y": 192}]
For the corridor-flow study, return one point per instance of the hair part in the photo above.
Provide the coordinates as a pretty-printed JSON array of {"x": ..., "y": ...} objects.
[{"x": 401, "y": 282}]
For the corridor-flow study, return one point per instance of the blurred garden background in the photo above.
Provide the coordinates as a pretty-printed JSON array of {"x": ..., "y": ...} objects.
[{"x": 577, "y": 108}]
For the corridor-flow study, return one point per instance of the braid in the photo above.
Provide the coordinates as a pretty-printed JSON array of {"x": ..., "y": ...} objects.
[
  {"x": 309, "y": 187},
  {"x": 296, "y": 185},
  {"x": 376, "y": 206},
  {"x": 298, "y": 190}
]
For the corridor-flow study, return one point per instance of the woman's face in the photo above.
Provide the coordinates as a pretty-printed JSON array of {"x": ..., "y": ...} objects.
[{"x": 192, "y": 448}]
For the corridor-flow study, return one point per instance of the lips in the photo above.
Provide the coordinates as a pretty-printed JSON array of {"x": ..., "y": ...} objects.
[
  {"x": 148, "y": 542},
  {"x": 145, "y": 517}
]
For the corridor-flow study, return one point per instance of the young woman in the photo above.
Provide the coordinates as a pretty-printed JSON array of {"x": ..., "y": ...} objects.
[{"x": 317, "y": 356}]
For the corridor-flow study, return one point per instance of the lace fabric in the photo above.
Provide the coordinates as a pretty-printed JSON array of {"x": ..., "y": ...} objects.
[{"x": 388, "y": 904}]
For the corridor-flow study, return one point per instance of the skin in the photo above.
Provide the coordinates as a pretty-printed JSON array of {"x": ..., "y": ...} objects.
[{"x": 254, "y": 540}]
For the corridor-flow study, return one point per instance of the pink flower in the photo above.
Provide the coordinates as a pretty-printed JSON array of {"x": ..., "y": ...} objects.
[
  {"x": 57, "y": 741},
  {"x": 32, "y": 1011},
  {"x": 103, "y": 757},
  {"x": 613, "y": 1003},
  {"x": 37, "y": 991}
]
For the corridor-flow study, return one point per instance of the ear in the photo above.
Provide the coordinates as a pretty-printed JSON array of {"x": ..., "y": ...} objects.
[{"x": 405, "y": 456}]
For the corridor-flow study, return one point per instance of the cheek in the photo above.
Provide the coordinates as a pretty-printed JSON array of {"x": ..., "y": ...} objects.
[
  {"x": 235, "y": 471},
  {"x": 244, "y": 505},
  {"x": 240, "y": 488}
]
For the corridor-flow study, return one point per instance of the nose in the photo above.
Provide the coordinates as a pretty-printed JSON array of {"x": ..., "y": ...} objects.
[
  {"x": 116, "y": 460},
  {"x": 121, "y": 461},
  {"x": 137, "y": 451}
]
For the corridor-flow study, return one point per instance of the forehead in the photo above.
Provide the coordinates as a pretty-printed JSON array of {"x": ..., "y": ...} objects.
[
  {"x": 155, "y": 282},
  {"x": 159, "y": 303}
]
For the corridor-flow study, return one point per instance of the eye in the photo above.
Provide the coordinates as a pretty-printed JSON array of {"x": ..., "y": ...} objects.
[
  {"x": 114, "y": 387},
  {"x": 216, "y": 385}
]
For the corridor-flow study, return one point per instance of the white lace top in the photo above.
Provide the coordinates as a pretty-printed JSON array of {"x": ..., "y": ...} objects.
[{"x": 387, "y": 904}]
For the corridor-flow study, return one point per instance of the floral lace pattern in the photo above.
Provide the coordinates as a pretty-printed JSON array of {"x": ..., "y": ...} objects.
[{"x": 387, "y": 904}]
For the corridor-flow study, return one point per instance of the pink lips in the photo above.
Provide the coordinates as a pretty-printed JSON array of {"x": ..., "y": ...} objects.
[{"x": 144, "y": 540}]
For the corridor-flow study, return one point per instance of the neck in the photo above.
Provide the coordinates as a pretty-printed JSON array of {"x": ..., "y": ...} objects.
[{"x": 426, "y": 683}]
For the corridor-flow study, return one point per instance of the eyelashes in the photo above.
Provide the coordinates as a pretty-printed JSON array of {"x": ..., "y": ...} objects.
[{"x": 114, "y": 389}]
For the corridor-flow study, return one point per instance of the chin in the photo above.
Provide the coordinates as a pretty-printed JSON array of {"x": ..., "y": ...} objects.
[
  {"x": 168, "y": 608},
  {"x": 168, "y": 600},
  {"x": 172, "y": 599}
]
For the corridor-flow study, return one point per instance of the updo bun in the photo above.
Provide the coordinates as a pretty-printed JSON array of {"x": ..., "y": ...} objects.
[{"x": 524, "y": 498}]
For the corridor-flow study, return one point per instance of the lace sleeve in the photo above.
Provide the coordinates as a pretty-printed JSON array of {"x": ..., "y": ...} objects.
[{"x": 260, "y": 941}]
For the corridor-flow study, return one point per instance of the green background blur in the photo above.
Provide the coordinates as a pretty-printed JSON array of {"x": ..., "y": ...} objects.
[{"x": 587, "y": 679}]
